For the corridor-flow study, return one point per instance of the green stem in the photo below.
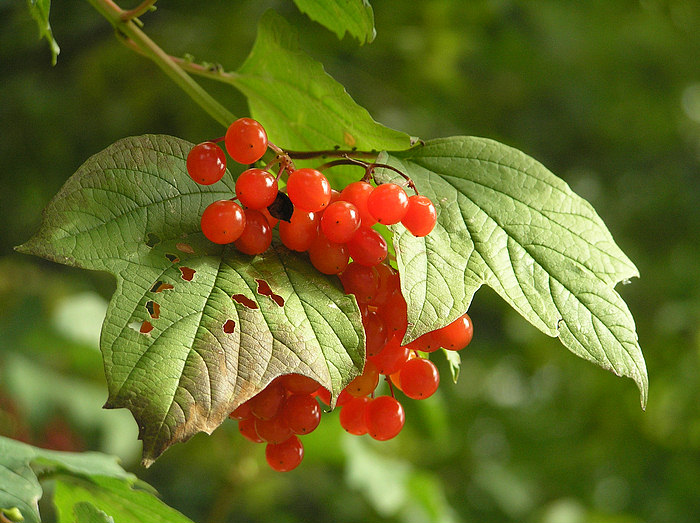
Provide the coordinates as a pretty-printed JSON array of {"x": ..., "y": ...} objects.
[
  {"x": 137, "y": 11},
  {"x": 115, "y": 15}
]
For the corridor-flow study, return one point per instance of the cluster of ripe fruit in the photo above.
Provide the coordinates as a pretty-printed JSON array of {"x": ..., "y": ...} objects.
[
  {"x": 332, "y": 226},
  {"x": 337, "y": 230}
]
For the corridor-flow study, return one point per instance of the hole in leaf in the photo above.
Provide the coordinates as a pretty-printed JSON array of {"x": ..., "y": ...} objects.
[
  {"x": 187, "y": 273},
  {"x": 265, "y": 290},
  {"x": 152, "y": 239},
  {"x": 229, "y": 326},
  {"x": 282, "y": 208},
  {"x": 146, "y": 327},
  {"x": 135, "y": 325},
  {"x": 153, "y": 309},
  {"x": 244, "y": 300},
  {"x": 172, "y": 258},
  {"x": 160, "y": 286},
  {"x": 184, "y": 247}
]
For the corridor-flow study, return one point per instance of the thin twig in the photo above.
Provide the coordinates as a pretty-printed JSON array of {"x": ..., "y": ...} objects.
[{"x": 137, "y": 11}]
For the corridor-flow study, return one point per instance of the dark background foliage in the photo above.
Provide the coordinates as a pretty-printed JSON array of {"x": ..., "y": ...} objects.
[{"x": 606, "y": 94}]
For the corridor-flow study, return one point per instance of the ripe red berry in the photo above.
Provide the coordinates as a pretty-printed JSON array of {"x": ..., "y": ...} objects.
[
  {"x": 309, "y": 189},
  {"x": 247, "y": 429},
  {"x": 241, "y": 412},
  {"x": 352, "y": 415},
  {"x": 256, "y": 188},
  {"x": 285, "y": 456},
  {"x": 456, "y": 335},
  {"x": 360, "y": 280},
  {"x": 365, "y": 383},
  {"x": 328, "y": 257},
  {"x": 302, "y": 413},
  {"x": 257, "y": 233},
  {"x": 367, "y": 247},
  {"x": 384, "y": 417},
  {"x": 299, "y": 233},
  {"x": 421, "y": 216},
  {"x": 340, "y": 221},
  {"x": 375, "y": 333},
  {"x": 273, "y": 430},
  {"x": 419, "y": 378},
  {"x": 246, "y": 141},
  {"x": 223, "y": 221},
  {"x": 206, "y": 163},
  {"x": 395, "y": 314},
  {"x": 299, "y": 384},
  {"x": 392, "y": 357},
  {"x": 388, "y": 203},
  {"x": 266, "y": 404},
  {"x": 357, "y": 193}
]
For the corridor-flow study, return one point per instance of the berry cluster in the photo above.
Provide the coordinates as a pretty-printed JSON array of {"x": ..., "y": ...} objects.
[
  {"x": 332, "y": 226},
  {"x": 338, "y": 230}
]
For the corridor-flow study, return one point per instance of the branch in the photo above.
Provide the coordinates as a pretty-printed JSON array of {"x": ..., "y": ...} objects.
[{"x": 124, "y": 23}]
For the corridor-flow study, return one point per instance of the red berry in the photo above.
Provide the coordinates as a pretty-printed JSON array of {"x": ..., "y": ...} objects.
[
  {"x": 302, "y": 413},
  {"x": 298, "y": 383},
  {"x": 375, "y": 333},
  {"x": 299, "y": 233},
  {"x": 256, "y": 188},
  {"x": 456, "y": 335},
  {"x": 223, "y": 221},
  {"x": 323, "y": 395},
  {"x": 395, "y": 314},
  {"x": 257, "y": 233},
  {"x": 241, "y": 412},
  {"x": 365, "y": 383},
  {"x": 367, "y": 247},
  {"x": 285, "y": 456},
  {"x": 328, "y": 257},
  {"x": 389, "y": 283},
  {"x": 357, "y": 193},
  {"x": 266, "y": 404},
  {"x": 384, "y": 417},
  {"x": 270, "y": 219},
  {"x": 388, "y": 203},
  {"x": 360, "y": 280},
  {"x": 419, "y": 378},
  {"x": 425, "y": 343},
  {"x": 206, "y": 163},
  {"x": 421, "y": 216},
  {"x": 247, "y": 429},
  {"x": 309, "y": 189},
  {"x": 391, "y": 357},
  {"x": 246, "y": 140},
  {"x": 273, "y": 430},
  {"x": 340, "y": 221},
  {"x": 352, "y": 415}
]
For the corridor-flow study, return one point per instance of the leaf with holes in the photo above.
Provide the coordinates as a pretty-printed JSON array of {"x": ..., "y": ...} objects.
[
  {"x": 505, "y": 221},
  {"x": 193, "y": 329}
]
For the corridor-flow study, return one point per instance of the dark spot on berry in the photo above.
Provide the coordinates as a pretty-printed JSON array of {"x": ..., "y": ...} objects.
[
  {"x": 282, "y": 208},
  {"x": 229, "y": 326},
  {"x": 160, "y": 286},
  {"x": 244, "y": 300},
  {"x": 152, "y": 240},
  {"x": 265, "y": 290},
  {"x": 153, "y": 309},
  {"x": 187, "y": 273}
]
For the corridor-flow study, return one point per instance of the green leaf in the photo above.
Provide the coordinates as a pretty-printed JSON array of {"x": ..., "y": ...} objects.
[
  {"x": 300, "y": 105},
  {"x": 19, "y": 484},
  {"x": 340, "y": 16},
  {"x": 454, "y": 360},
  {"x": 194, "y": 329},
  {"x": 40, "y": 12},
  {"x": 103, "y": 499},
  {"x": 505, "y": 221}
]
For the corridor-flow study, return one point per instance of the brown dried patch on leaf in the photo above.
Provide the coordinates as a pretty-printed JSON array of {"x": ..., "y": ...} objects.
[
  {"x": 153, "y": 309},
  {"x": 184, "y": 247},
  {"x": 187, "y": 273},
  {"x": 161, "y": 286},
  {"x": 229, "y": 326},
  {"x": 265, "y": 290},
  {"x": 146, "y": 327},
  {"x": 244, "y": 300}
]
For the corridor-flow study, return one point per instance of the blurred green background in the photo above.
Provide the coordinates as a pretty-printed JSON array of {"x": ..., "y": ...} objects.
[{"x": 606, "y": 93}]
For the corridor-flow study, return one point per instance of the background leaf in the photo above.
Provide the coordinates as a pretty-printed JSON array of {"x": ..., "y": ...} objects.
[
  {"x": 19, "y": 484},
  {"x": 506, "y": 221},
  {"x": 340, "y": 16},
  {"x": 40, "y": 12},
  {"x": 300, "y": 105},
  {"x": 192, "y": 330}
]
